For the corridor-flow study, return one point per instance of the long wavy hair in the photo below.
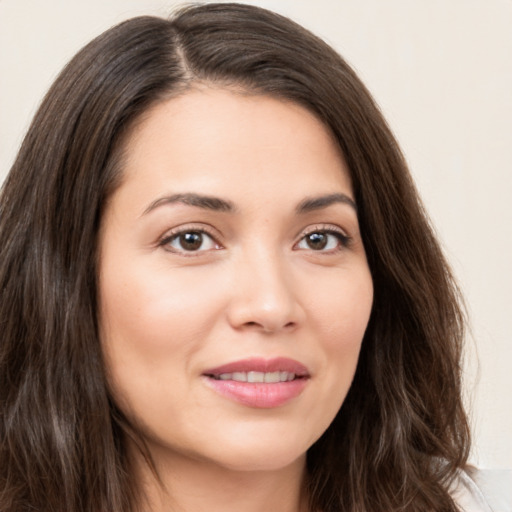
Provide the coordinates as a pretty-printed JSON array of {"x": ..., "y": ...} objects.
[{"x": 400, "y": 435}]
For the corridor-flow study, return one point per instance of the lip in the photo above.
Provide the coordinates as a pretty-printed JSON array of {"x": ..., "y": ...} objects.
[
  {"x": 257, "y": 364},
  {"x": 263, "y": 395}
]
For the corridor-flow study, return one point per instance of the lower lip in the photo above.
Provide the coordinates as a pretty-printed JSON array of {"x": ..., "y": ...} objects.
[{"x": 260, "y": 395}]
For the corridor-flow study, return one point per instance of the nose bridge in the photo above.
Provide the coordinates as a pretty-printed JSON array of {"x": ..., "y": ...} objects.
[{"x": 264, "y": 296}]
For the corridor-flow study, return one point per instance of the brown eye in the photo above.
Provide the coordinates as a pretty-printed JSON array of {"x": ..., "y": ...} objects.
[
  {"x": 190, "y": 241},
  {"x": 323, "y": 241},
  {"x": 317, "y": 241}
]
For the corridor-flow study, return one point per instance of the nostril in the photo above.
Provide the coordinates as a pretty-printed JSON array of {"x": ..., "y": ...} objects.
[{"x": 266, "y": 327}]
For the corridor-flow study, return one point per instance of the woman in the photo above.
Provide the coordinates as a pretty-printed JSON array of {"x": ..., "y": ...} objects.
[{"x": 219, "y": 286}]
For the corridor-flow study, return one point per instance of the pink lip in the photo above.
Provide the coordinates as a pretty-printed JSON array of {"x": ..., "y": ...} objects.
[
  {"x": 256, "y": 364},
  {"x": 259, "y": 395}
]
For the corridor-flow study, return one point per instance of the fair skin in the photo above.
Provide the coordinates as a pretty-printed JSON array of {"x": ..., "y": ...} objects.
[{"x": 231, "y": 251}]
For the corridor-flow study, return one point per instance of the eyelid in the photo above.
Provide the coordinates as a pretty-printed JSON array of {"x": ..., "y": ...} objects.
[
  {"x": 171, "y": 234},
  {"x": 345, "y": 238}
]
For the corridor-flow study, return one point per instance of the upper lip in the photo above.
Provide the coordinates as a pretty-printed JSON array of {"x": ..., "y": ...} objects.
[{"x": 257, "y": 364}]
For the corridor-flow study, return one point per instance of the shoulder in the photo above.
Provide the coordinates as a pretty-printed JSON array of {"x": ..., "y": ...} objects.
[{"x": 477, "y": 490}]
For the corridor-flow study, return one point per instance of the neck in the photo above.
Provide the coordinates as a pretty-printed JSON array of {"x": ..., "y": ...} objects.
[{"x": 188, "y": 485}]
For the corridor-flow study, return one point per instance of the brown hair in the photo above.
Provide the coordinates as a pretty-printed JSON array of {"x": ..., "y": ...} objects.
[{"x": 401, "y": 432}]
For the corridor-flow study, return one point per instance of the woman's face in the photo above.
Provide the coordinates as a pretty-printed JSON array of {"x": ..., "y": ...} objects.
[{"x": 234, "y": 288}]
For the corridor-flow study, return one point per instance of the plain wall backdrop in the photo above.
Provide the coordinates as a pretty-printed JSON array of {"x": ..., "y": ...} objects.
[{"x": 441, "y": 71}]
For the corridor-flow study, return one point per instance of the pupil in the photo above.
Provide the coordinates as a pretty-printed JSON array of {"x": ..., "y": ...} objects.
[
  {"x": 317, "y": 240},
  {"x": 191, "y": 241}
]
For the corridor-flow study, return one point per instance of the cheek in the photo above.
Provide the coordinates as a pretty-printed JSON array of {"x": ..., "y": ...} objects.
[
  {"x": 151, "y": 328},
  {"x": 342, "y": 308},
  {"x": 144, "y": 307},
  {"x": 342, "y": 315}
]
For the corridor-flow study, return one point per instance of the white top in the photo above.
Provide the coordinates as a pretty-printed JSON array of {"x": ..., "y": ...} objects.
[{"x": 483, "y": 491}]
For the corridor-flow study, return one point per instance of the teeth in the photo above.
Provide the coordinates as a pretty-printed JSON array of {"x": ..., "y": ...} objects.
[
  {"x": 256, "y": 377},
  {"x": 273, "y": 377}
]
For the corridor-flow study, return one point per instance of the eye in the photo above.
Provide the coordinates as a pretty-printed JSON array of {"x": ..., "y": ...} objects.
[
  {"x": 189, "y": 241},
  {"x": 323, "y": 240}
]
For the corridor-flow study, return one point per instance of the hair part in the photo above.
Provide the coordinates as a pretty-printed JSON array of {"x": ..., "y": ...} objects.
[{"x": 401, "y": 433}]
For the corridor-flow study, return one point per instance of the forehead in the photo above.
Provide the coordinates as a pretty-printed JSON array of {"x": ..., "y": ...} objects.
[{"x": 227, "y": 141}]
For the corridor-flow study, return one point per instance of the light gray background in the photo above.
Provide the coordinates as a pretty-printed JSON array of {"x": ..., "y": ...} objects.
[{"x": 441, "y": 71}]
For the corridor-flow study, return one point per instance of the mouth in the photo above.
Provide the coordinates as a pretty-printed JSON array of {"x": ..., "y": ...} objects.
[
  {"x": 253, "y": 377},
  {"x": 259, "y": 383}
]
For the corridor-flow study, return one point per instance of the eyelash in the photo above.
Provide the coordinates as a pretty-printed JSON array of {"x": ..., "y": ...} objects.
[
  {"x": 176, "y": 234},
  {"x": 342, "y": 238},
  {"x": 343, "y": 241}
]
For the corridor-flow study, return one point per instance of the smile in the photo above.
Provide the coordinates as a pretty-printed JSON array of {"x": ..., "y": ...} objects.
[
  {"x": 259, "y": 383},
  {"x": 257, "y": 376}
]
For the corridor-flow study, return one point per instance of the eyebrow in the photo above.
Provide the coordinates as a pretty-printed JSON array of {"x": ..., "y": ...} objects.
[
  {"x": 222, "y": 205},
  {"x": 317, "y": 203},
  {"x": 191, "y": 199}
]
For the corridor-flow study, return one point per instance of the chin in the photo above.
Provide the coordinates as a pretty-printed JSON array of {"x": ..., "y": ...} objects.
[
  {"x": 274, "y": 460},
  {"x": 258, "y": 452},
  {"x": 235, "y": 453}
]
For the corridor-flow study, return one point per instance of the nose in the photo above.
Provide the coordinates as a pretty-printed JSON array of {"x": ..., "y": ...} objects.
[{"x": 264, "y": 297}]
